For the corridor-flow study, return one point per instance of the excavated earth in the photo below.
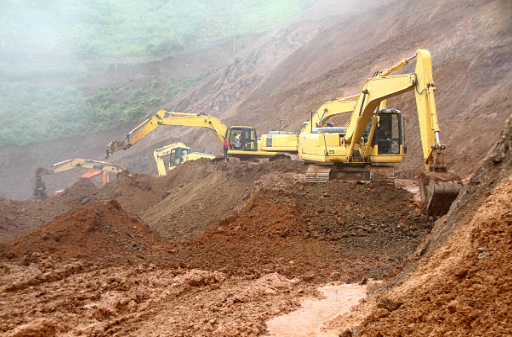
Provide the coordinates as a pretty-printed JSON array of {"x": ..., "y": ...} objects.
[
  {"x": 459, "y": 281},
  {"x": 221, "y": 249},
  {"x": 203, "y": 263}
]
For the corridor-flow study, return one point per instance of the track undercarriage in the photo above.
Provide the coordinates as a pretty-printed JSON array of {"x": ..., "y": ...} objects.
[{"x": 438, "y": 189}]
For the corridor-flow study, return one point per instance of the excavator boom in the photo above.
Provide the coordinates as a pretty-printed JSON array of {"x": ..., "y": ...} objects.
[
  {"x": 85, "y": 163},
  {"x": 248, "y": 145},
  {"x": 96, "y": 167}
]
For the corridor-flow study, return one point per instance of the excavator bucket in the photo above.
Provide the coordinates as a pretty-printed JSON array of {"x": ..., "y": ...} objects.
[
  {"x": 116, "y": 145},
  {"x": 438, "y": 191}
]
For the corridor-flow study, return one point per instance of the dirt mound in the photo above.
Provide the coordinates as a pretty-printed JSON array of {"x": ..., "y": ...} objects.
[
  {"x": 338, "y": 230},
  {"x": 463, "y": 283},
  {"x": 204, "y": 192},
  {"x": 100, "y": 231},
  {"x": 217, "y": 186},
  {"x": 20, "y": 217},
  {"x": 17, "y": 218},
  {"x": 135, "y": 192}
]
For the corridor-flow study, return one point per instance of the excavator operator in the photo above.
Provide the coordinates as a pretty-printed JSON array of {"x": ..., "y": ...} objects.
[{"x": 238, "y": 142}]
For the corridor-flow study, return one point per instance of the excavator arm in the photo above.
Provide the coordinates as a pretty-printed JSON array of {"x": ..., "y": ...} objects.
[
  {"x": 163, "y": 117},
  {"x": 330, "y": 109},
  {"x": 382, "y": 87},
  {"x": 100, "y": 166},
  {"x": 85, "y": 163},
  {"x": 248, "y": 147},
  {"x": 438, "y": 187}
]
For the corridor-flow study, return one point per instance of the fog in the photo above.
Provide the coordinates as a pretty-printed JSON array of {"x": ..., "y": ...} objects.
[
  {"x": 50, "y": 52},
  {"x": 129, "y": 30}
]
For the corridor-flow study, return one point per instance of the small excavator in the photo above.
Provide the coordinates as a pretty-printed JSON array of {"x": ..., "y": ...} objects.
[
  {"x": 95, "y": 168},
  {"x": 178, "y": 154}
]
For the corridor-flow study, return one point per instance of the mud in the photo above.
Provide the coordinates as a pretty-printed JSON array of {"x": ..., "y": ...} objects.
[
  {"x": 221, "y": 249},
  {"x": 98, "y": 270},
  {"x": 458, "y": 282},
  {"x": 144, "y": 300},
  {"x": 315, "y": 233},
  {"x": 309, "y": 319}
]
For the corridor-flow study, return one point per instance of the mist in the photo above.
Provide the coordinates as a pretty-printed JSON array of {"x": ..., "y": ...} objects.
[{"x": 52, "y": 52}]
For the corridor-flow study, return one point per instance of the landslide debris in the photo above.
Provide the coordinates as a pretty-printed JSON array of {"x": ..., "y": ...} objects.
[
  {"x": 226, "y": 279},
  {"x": 139, "y": 300},
  {"x": 100, "y": 231},
  {"x": 224, "y": 185},
  {"x": 463, "y": 283},
  {"x": 205, "y": 192},
  {"x": 339, "y": 231},
  {"x": 20, "y": 217}
]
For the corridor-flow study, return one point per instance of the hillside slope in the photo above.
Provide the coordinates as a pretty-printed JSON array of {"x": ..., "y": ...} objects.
[
  {"x": 326, "y": 53},
  {"x": 469, "y": 42}
]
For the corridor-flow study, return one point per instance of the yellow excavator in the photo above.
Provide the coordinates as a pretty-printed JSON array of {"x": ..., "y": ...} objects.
[
  {"x": 371, "y": 141},
  {"x": 243, "y": 140},
  {"x": 373, "y": 137},
  {"x": 178, "y": 153},
  {"x": 95, "y": 168}
]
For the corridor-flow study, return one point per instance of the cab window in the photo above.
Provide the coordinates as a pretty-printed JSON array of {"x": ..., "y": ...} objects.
[{"x": 388, "y": 134}]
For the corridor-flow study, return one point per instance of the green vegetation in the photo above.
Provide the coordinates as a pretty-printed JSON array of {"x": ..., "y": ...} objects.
[
  {"x": 131, "y": 30},
  {"x": 31, "y": 113},
  {"x": 63, "y": 39}
]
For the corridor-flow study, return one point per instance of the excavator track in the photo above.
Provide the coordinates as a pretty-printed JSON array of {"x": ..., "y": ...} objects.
[
  {"x": 438, "y": 191},
  {"x": 383, "y": 175},
  {"x": 318, "y": 174}
]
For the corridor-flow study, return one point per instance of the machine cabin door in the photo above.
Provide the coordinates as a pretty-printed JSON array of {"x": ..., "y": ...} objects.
[
  {"x": 243, "y": 139},
  {"x": 388, "y": 134},
  {"x": 176, "y": 156}
]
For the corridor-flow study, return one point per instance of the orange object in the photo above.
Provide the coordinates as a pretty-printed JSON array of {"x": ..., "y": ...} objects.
[{"x": 91, "y": 173}]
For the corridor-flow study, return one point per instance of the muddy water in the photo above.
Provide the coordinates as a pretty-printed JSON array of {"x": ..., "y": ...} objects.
[{"x": 314, "y": 313}]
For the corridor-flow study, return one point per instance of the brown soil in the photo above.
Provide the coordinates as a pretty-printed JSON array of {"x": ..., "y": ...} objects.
[
  {"x": 20, "y": 217},
  {"x": 84, "y": 299},
  {"x": 254, "y": 265},
  {"x": 218, "y": 249},
  {"x": 214, "y": 188},
  {"x": 318, "y": 232},
  {"x": 100, "y": 231},
  {"x": 205, "y": 192},
  {"x": 461, "y": 281}
]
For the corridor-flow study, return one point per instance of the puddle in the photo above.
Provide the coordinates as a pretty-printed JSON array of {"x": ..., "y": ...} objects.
[{"x": 314, "y": 313}]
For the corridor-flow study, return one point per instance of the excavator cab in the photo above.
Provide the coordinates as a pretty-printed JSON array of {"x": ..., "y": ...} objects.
[
  {"x": 388, "y": 133},
  {"x": 176, "y": 156},
  {"x": 242, "y": 138}
]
